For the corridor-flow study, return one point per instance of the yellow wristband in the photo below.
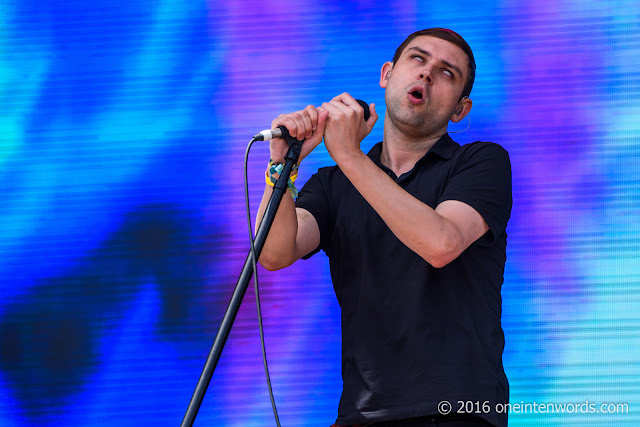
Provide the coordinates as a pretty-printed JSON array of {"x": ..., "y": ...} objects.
[{"x": 274, "y": 168}]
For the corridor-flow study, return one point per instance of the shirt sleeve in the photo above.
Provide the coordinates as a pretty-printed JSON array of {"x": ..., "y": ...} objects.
[
  {"x": 482, "y": 179},
  {"x": 314, "y": 197}
]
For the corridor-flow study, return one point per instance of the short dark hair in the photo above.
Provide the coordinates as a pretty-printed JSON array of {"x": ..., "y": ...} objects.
[{"x": 452, "y": 37}]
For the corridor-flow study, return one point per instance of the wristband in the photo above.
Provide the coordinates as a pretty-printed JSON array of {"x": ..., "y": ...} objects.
[{"x": 274, "y": 168}]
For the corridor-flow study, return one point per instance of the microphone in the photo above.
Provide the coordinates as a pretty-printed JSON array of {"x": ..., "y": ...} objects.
[{"x": 283, "y": 132}]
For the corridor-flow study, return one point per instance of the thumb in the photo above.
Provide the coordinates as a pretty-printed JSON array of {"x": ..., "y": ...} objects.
[
  {"x": 322, "y": 122},
  {"x": 373, "y": 116}
]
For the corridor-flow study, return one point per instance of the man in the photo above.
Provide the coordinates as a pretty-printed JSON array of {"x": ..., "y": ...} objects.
[{"x": 415, "y": 235}]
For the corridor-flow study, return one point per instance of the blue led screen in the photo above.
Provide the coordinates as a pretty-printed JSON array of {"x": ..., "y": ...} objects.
[{"x": 122, "y": 224}]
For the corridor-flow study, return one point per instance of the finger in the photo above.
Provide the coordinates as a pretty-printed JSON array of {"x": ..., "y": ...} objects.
[
  {"x": 287, "y": 121},
  {"x": 334, "y": 106},
  {"x": 344, "y": 109},
  {"x": 351, "y": 102},
  {"x": 308, "y": 116},
  {"x": 346, "y": 99},
  {"x": 325, "y": 107},
  {"x": 316, "y": 138},
  {"x": 312, "y": 111},
  {"x": 302, "y": 123},
  {"x": 333, "y": 111}
]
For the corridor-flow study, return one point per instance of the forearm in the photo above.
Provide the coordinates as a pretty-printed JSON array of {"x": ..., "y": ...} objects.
[
  {"x": 283, "y": 245},
  {"x": 280, "y": 246},
  {"x": 414, "y": 223}
]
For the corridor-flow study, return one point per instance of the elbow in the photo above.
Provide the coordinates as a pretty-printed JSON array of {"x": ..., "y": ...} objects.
[
  {"x": 269, "y": 264},
  {"x": 272, "y": 263},
  {"x": 439, "y": 261},
  {"x": 270, "y": 267},
  {"x": 443, "y": 254}
]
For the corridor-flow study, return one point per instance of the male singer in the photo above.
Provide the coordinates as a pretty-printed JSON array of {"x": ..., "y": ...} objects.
[{"x": 415, "y": 235}]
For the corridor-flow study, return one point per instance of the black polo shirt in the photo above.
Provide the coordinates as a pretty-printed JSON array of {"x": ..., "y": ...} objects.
[{"x": 414, "y": 335}]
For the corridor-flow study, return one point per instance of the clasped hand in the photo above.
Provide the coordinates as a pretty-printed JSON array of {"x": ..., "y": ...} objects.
[{"x": 340, "y": 121}]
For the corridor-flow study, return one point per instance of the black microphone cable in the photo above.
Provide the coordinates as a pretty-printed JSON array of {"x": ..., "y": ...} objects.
[
  {"x": 261, "y": 137},
  {"x": 255, "y": 279}
]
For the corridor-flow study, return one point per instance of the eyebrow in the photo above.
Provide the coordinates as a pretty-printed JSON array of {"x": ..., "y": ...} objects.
[{"x": 446, "y": 63}]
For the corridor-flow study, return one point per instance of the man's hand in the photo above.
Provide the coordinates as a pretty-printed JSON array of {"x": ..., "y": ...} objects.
[
  {"x": 307, "y": 125},
  {"x": 345, "y": 126}
]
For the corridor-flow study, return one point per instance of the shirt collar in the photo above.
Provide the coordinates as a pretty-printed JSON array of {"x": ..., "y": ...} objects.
[{"x": 445, "y": 147}]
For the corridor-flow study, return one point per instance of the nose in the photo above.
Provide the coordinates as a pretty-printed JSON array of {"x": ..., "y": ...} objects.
[{"x": 426, "y": 74}]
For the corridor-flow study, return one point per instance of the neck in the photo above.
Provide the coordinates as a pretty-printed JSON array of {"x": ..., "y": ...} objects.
[{"x": 401, "y": 151}]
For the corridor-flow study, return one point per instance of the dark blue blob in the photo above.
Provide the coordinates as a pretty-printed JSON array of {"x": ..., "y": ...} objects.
[
  {"x": 45, "y": 348},
  {"x": 49, "y": 342}
]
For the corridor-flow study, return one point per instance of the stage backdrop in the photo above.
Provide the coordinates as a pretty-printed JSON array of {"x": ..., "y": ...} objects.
[{"x": 122, "y": 225}]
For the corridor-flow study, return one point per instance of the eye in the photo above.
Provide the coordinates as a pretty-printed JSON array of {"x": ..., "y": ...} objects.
[
  {"x": 448, "y": 73},
  {"x": 418, "y": 57}
]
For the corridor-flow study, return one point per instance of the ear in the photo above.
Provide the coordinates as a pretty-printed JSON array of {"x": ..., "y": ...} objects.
[
  {"x": 464, "y": 106},
  {"x": 384, "y": 74}
]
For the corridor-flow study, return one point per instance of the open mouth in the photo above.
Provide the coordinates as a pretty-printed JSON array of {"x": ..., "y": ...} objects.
[{"x": 416, "y": 94}]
